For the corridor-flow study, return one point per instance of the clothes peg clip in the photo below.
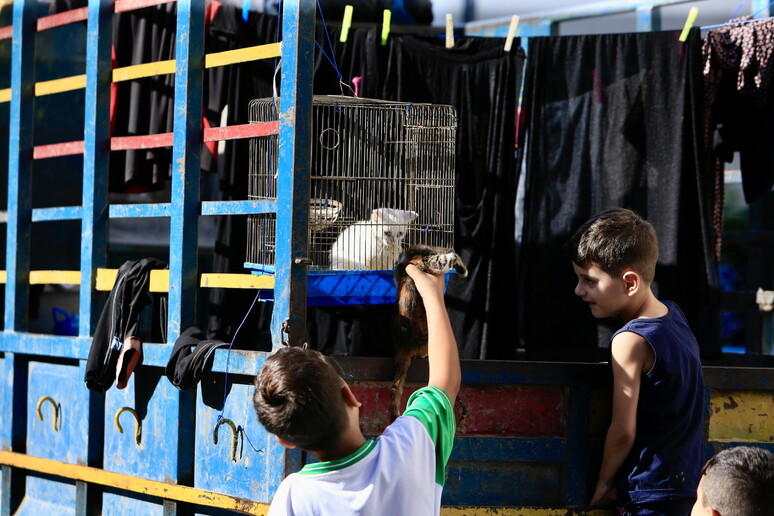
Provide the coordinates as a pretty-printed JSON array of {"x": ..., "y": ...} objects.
[
  {"x": 511, "y": 33},
  {"x": 449, "y": 31},
  {"x": 346, "y": 23},
  {"x": 386, "y": 26},
  {"x": 245, "y": 10},
  {"x": 689, "y": 23}
]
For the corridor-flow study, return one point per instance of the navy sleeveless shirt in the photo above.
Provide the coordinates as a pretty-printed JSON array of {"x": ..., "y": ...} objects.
[{"x": 666, "y": 459}]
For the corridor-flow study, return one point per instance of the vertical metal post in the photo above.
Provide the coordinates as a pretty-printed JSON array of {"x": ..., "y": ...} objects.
[
  {"x": 648, "y": 18},
  {"x": 13, "y": 479},
  {"x": 289, "y": 318},
  {"x": 96, "y": 152},
  {"x": 17, "y": 252},
  {"x": 184, "y": 209}
]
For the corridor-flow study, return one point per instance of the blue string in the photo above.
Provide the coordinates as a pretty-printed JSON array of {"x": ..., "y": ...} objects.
[
  {"x": 738, "y": 9},
  {"x": 228, "y": 356},
  {"x": 759, "y": 12},
  {"x": 707, "y": 27},
  {"x": 330, "y": 45}
]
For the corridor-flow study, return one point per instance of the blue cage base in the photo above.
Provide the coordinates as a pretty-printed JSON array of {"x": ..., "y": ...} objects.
[{"x": 329, "y": 288}]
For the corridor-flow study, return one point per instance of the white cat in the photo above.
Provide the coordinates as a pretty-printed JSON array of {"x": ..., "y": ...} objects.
[{"x": 373, "y": 244}]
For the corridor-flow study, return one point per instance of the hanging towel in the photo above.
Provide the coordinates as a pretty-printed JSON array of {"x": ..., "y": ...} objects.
[
  {"x": 191, "y": 358},
  {"x": 118, "y": 321}
]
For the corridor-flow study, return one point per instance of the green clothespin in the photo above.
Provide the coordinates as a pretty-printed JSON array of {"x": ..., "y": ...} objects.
[
  {"x": 346, "y": 23},
  {"x": 386, "y": 26},
  {"x": 689, "y": 23}
]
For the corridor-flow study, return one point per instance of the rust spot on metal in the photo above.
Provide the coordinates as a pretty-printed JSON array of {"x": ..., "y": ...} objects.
[{"x": 732, "y": 405}]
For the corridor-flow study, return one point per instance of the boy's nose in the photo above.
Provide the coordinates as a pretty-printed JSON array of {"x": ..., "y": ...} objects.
[{"x": 578, "y": 289}]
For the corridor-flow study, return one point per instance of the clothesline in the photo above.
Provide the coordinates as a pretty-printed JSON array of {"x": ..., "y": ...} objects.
[{"x": 708, "y": 27}]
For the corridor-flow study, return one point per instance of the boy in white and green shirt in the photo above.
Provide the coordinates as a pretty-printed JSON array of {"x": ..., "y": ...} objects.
[{"x": 300, "y": 398}]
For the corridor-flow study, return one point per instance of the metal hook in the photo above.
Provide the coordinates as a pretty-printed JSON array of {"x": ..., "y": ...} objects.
[
  {"x": 137, "y": 424},
  {"x": 234, "y": 435},
  {"x": 54, "y": 404}
]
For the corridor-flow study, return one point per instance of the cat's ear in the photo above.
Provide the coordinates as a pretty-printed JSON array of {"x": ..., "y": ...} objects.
[{"x": 378, "y": 216}]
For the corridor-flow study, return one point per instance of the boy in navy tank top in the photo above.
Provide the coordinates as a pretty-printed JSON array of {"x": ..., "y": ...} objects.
[{"x": 653, "y": 451}]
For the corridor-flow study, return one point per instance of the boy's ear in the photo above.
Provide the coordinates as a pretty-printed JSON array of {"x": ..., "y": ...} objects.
[
  {"x": 283, "y": 443},
  {"x": 632, "y": 282},
  {"x": 349, "y": 397}
]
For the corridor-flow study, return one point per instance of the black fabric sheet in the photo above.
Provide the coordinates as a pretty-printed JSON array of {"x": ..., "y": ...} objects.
[
  {"x": 614, "y": 120},
  {"x": 482, "y": 82}
]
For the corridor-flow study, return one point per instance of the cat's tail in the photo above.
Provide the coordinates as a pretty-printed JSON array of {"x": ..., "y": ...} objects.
[{"x": 402, "y": 363}]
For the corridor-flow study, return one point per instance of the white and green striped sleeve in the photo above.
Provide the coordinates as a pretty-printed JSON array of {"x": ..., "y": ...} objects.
[{"x": 433, "y": 408}]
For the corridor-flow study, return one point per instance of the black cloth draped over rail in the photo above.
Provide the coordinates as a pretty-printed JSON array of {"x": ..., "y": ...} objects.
[{"x": 614, "y": 120}]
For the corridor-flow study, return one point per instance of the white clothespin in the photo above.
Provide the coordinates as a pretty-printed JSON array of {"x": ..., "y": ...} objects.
[
  {"x": 449, "y": 31},
  {"x": 511, "y": 33}
]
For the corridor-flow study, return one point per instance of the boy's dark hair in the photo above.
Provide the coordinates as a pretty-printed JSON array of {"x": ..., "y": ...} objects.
[
  {"x": 740, "y": 482},
  {"x": 616, "y": 240},
  {"x": 298, "y": 398}
]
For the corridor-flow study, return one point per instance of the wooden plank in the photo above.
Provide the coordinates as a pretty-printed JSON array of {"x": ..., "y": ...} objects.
[
  {"x": 128, "y": 73},
  {"x": 144, "y": 486},
  {"x": 234, "y": 132},
  {"x": 63, "y": 18},
  {"x": 738, "y": 415},
  {"x": 76, "y": 82},
  {"x": 56, "y": 150},
  {"x": 251, "y": 281},
  {"x": 237, "y": 207},
  {"x": 146, "y": 141},
  {"x": 55, "y": 277},
  {"x": 5, "y": 95},
  {"x": 57, "y": 213},
  {"x": 6, "y": 32},
  {"x": 243, "y": 55},
  {"x": 20, "y": 143},
  {"x": 131, "y": 5},
  {"x": 131, "y": 211},
  {"x": 106, "y": 278}
]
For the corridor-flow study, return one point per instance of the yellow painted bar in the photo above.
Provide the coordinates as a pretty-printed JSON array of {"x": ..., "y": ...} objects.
[
  {"x": 159, "y": 280},
  {"x": 129, "y": 483},
  {"x": 55, "y": 277},
  {"x": 76, "y": 82},
  {"x": 127, "y": 73},
  {"x": 237, "y": 281},
  {"x": 243, "y": 55},
  {"x": 741, "y": 416},
  {"x": 5, "y": 95}
]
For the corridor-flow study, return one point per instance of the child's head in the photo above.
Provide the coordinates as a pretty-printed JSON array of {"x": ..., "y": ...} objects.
[
  {"x": 737, "y": 482},
  {"x": 616, "y": 240},
  {"x": 298, "y": 398}
]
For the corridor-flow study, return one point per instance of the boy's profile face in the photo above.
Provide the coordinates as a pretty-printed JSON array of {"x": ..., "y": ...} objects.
[{"x": 605, "y": 294}]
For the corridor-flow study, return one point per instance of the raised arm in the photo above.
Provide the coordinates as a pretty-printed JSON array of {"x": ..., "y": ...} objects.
[{"x": 442, "y": 354}]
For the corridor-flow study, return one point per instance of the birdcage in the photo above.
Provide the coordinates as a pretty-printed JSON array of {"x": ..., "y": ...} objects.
[{"x": 381, "y": 179}]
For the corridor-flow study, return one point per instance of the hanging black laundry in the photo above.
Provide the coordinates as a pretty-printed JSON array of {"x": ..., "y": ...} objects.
[
  {"x": 191, "y": 357},
  {"x": 482, "y": 82},
  {"x": 119, "y": 320},
  {"x": 738, "y": 64},
  {"x": 614, "y": 120}
]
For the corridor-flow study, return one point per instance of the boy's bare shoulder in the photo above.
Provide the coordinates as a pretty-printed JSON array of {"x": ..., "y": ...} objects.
[{"x": 629, "y": 349}]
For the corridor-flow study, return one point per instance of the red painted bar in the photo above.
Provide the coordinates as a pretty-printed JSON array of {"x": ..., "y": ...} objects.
[
  {"x": 149, "y": 141},
  {"x": 6, "y": 32},
  {"x": 131, "y": 5},
  {"x": 502, "y": 410},
  {"x": 234, "y": 132},
  {"x": 56, "y": 150},
  {"x": 63, "y": 18}
]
